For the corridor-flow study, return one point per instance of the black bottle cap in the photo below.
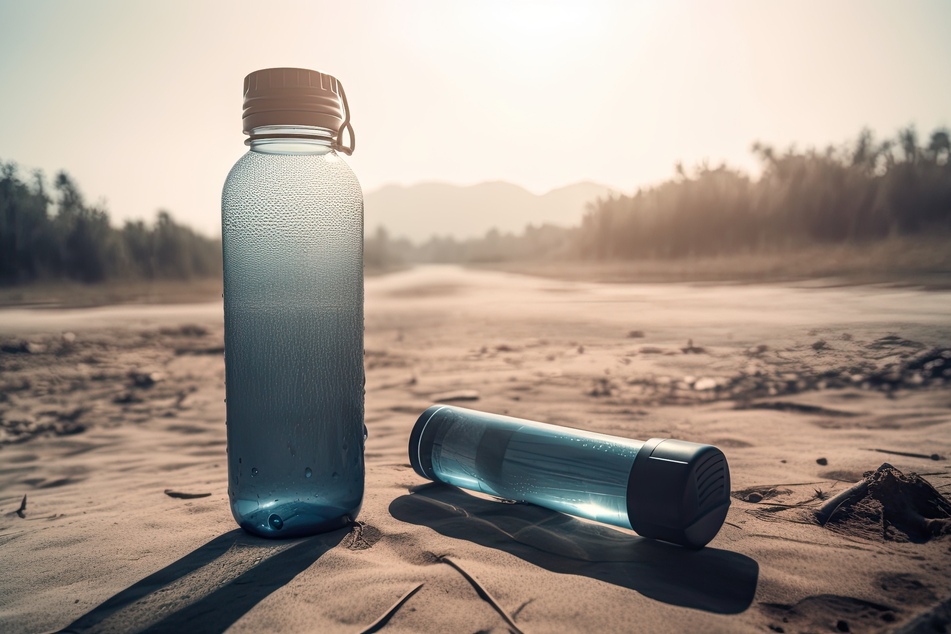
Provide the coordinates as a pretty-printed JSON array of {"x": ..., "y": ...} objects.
[{"x": 678, "y": 491}]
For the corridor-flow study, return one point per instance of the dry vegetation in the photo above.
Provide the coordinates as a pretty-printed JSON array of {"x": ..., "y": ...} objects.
[
  {"x": 868, "y": 211},
  {"x": 924, "y": 261}
]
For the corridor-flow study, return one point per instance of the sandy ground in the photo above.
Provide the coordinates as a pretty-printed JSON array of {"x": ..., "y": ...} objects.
[{"x": 103, "y": 411}]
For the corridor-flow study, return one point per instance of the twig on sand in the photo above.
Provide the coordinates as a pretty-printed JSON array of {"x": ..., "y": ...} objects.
[
  {"x": 933, "y": 456},
  {"x": 845, "y": 498},
  {"x": 378, "y": 624},
  {"x": 185, "y": 496},
  {"x": 798, "y": 505},
  {"x": 789, "y": 484},
  {"x": 521, "y": 607},
  {"x": 483, "y": 593}
]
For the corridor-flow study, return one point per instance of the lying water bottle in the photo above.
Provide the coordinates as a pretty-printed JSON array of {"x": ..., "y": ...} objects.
[
  {"x": 292, "y": 240},
  {"x": 666, "y": 489}
]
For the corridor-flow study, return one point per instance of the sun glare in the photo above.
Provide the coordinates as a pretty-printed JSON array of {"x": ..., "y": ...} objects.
[
  {"x": 531, "y": 37},
  {"x": 535, "y": 23}
]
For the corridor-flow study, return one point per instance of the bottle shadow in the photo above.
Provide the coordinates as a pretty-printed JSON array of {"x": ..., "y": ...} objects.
[
  {"x": 708, "y": 579},
  {"x": 210, "y": 588}
]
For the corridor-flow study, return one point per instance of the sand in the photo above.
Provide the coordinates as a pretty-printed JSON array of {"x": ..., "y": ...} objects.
[{"x": 112, "y": 426}]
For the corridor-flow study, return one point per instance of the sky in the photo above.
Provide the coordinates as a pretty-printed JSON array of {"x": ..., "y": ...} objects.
[{"x": 140, "y": 102}]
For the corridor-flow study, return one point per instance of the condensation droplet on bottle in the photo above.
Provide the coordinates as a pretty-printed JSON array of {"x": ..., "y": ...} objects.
[
  {"x": 308, "y": 472},
  {"x": 254, "y": 471},
  {"x": 275, "y": 521}
]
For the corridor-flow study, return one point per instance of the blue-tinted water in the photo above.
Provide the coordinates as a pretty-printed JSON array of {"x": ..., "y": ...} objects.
[
  {"x": 568, "y": 470},
  {"x": 292, "y": 237}
]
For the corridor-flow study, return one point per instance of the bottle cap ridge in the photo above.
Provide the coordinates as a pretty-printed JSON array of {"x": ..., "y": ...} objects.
[
  {"x": 296, "y": 97},
  {"x": 678, "y": 491}
]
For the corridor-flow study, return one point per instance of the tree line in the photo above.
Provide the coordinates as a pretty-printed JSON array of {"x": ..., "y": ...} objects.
[
  {"x": 534, "y": 243},
  {"x": 857, "y": 193},
  {"x": 53, "y": 234}
]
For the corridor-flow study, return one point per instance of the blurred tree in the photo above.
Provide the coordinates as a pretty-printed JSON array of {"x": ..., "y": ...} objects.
[
  {"x": 78, "y": 242},
  {"x": 846, "y": 194},
  {"x": 939, "y": 148}
]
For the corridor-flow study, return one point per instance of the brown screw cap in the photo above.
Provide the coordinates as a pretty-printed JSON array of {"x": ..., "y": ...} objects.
[{"x": 296, "y": 97}]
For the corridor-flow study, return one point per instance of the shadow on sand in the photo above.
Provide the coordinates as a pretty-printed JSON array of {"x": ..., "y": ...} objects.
[
  {"x": 210, "y": 588},
  {"x": 709, "y": 579}
]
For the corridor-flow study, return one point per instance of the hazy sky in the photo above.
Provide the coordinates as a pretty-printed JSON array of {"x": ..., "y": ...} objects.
[{"x": 141, "y": 101}]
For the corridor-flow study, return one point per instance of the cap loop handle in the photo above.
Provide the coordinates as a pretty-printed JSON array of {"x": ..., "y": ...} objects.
[{"x": 345, "y": 125}]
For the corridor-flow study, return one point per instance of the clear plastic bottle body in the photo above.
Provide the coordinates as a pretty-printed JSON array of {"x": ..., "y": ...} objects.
[
  {"x": 569, "y": 470},
  {"x": 292, "y": 241}
]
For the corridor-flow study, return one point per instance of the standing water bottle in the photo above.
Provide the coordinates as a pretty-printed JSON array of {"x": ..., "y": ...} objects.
[
  {"x": 292, "y": 240},
  {"x": 666, "y": 489}
]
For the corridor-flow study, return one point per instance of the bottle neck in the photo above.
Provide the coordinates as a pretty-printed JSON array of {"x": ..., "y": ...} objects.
[{"x": 291, "y": 139}]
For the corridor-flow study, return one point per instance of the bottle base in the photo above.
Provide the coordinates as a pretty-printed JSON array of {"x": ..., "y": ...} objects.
[{"x": 281, "y": 521}]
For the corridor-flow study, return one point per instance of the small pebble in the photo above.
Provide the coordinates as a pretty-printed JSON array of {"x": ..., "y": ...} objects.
[
  {"x": 754, "y": 497},
  {"x": 822, "y": 461}
]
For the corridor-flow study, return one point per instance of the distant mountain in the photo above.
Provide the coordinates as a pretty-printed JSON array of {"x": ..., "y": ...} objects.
[{"x": 420, "y": 211}]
